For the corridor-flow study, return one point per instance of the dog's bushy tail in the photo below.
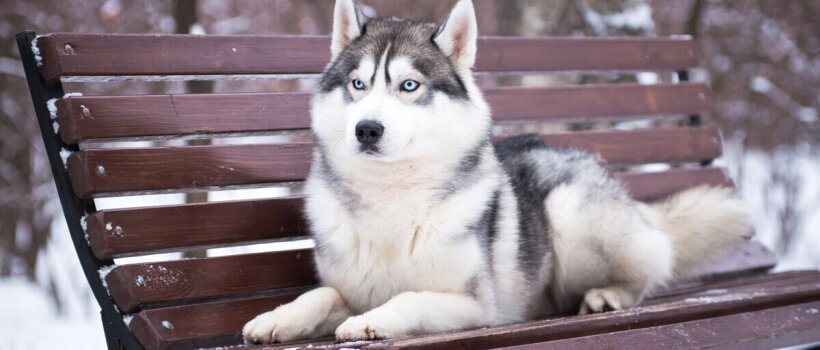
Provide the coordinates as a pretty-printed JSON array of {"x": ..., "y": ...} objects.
[{"x": 703, "y": 222}]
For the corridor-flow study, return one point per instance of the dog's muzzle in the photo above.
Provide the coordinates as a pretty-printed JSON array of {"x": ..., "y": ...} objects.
[{"x": 369, "y": 132}]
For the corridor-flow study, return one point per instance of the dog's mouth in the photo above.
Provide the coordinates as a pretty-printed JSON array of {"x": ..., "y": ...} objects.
[{"x": 370, "y": 150}]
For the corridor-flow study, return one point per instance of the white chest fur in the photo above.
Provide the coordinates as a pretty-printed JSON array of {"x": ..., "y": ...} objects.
[{"x": 399, "y": 238}]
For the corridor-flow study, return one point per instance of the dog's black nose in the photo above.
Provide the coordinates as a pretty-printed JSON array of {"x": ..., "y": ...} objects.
[{"x": 368, "y": 132}]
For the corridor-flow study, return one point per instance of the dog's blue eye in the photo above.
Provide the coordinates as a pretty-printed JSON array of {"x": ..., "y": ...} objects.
[
  {"x": 358, "y": 84},
  {"x": 409, "y": 85}
]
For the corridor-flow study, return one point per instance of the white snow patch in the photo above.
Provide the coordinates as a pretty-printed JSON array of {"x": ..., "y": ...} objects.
[
  {"x": 807, "y": 115},
  {"x": 639, "y": 16},
  {"x": 51, "y": 104},
  {"x": 64, "y": 154},
  {"x": 56, "y": 126},
  {"x": 714, "y": 291},
  {"x": 23, "y": 234},
  {"x": 721, "y": 298},
  {"x": 109, "y": 226},
  {"x": 84, "y": 222},
  {"x": 196, "y": 29},
  {"x": 653, "y": 167},
  {"x": 36, "y": 50},
  {"x": 754, "y": 171},
  {"x": 111, "y": 9},
  {"x": 812, "y": 311},
  {"x": 105, "y": 270},
  {"x": 263, "y": 248},
  {"x": 647, "y": 78},
  {"x": 760, "y": 84},
  {"x": 28, "y": 311},
  {"x": 634, "y": 124},
  {"x": 233, "y": 25},
  {"x": 127, "y": 319}
]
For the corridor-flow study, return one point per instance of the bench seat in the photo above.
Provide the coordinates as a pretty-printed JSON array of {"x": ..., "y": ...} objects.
[{"x": 203, "y": 302}]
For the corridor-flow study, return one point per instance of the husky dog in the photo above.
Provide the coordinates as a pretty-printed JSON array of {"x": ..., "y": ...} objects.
[{"x": 423, "y": 225}]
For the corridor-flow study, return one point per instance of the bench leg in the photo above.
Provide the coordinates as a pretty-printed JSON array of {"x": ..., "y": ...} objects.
[{"x": 117, "y": 334}]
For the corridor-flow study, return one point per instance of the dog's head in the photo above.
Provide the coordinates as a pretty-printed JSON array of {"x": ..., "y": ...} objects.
[{"x": 398, "y": 90}]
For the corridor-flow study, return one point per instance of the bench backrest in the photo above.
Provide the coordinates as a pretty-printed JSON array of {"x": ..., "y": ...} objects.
[{"x": 204, "y": 302}]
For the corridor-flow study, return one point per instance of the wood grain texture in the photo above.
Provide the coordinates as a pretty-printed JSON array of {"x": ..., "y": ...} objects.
[
  {"x": 96, "y": 172},
  {"x": 220, "y": 323},
  {"x": 201, "y": 325},
  {"x": 193, "y": 167},
  {"x": 168, "y": 54},
  {"x": 766, "y": 329},
  {"x": 749, "y": 257},
  {"x": 653, "y": 186},
  {"x": 124, "y": 232},
  {"x": 164, "y": 116},
  {"x": 209, "y": 277},
  {"x": 161, "y": 116},
  {"x": 175, "y": 227},
  {"x": 687, "y": 307},
  {"x": 596, "y": 102}
]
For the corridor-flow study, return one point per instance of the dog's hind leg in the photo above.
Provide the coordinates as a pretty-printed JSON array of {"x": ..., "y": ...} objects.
[
  {"x": 313, "y": 314},
  {"x": 608, "y": 298},
  {"x": 607, "y": 255}
]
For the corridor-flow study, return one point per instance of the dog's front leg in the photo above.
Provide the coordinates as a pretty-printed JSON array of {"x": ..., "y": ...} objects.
[
  {"x": 313, "y": 314},
  {"x": 415, "y": 313}
]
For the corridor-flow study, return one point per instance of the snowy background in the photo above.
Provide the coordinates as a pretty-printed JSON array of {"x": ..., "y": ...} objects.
[{"x": 760, "y": 58}]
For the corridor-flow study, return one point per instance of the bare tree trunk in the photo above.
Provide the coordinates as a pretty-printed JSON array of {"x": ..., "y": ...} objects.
[
  {"x": 25, "y": 178},
  {"x": 694, "y": 18},
  {"x": 510, "y": 16}
]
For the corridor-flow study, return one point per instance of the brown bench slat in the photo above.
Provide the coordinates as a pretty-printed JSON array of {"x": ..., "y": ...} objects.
[
  {"x": 157, "y": 229},
  {"x": 172, "y": 115},
  {"x": 196, "y": 167},
  {"x": 68, "y": 54},
  {"x": 766, "y": 329},
  {"x": 675, "y": 291},
  {"x": 202, "y": 325},
  {"x": 220, "y": 323},
  {"x": 752, "y": 256},
  {"x": 163, "y": 116},
  {"x": 123, "y": 232},
  {"x": 729, "y": 301},
  {"x": 652, "y": 186},
  {"x": 208, "y": 277},
  {"x": 104, "y": 171},
  {"x": 592, "y": 102}
]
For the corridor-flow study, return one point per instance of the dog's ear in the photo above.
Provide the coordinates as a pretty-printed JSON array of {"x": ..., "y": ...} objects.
[
  {"x": 457, "y": 36},
  {"x": 348, "y": 21}
]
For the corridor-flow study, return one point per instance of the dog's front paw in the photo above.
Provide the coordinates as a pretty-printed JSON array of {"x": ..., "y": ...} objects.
[
  {"x": 283, "y": 324},
  {"x": 361, "y": 328}
]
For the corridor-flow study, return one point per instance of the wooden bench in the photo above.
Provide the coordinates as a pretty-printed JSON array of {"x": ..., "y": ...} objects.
[{"x": 204, "y": 302}]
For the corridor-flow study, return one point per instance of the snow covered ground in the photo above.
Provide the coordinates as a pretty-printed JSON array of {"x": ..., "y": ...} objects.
[
  {"x": 29, "y": 316},
  {"x": 30, "y": 319}
]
